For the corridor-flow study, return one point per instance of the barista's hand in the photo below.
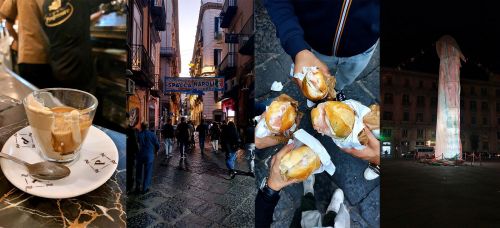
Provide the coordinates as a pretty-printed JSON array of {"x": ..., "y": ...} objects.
[
  {"x": 275, "y": 181},
  {"x": 306, "y": 58},
  {"x": 371, "y": 152}
]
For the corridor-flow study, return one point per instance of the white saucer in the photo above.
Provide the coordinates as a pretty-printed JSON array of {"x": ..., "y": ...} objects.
[{"x": 96, "y": 163}]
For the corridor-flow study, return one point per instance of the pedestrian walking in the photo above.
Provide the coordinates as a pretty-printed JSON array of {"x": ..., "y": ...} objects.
[
  {"x": 148, "y": 147},
  {"x": 168, "y": 136},
  {"x": 132, "y": 150},
  {"x": 223, "y": 129},
  {"x": 231, "y": 141},
  {"x": 214, "y": 136},
  {"x": 202, "y": 133},
  {"x": 250, "y": 145},
  {"x": 191, "y": 134},
  {"x": 183, "y": 136}
]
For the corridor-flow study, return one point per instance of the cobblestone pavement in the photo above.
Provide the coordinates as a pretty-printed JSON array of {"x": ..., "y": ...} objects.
[
  {"x": 440, "y": 196},
  {"x": 196, "y": 194},
  {"x": 362, "y": 196}
]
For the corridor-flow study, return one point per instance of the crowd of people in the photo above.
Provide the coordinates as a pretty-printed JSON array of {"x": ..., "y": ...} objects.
[{"x": 144, "y": 145}]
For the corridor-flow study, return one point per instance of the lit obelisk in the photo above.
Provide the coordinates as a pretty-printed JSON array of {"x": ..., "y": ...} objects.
[{"x": 448, "y": 145}]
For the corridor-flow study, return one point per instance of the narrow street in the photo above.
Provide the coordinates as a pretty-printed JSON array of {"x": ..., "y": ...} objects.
[{"x": 196, "y": 194}]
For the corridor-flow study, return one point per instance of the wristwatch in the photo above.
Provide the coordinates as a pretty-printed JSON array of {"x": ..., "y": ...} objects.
[{"x": 267, "y": 190}]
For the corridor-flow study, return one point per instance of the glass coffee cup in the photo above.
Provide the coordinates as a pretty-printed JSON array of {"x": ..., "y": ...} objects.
[{"x": 60, "y": 119}]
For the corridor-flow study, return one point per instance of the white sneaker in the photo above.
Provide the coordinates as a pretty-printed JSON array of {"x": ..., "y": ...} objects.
[
  {"x": 337, "y": 199},
  {"x": 309, "y": 184}
]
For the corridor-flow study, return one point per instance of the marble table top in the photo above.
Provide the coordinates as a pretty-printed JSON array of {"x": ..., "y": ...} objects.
[{"x": 103, "y": 207}]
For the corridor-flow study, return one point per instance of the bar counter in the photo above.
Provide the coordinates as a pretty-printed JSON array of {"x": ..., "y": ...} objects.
[{"x": 103, "y": 207}]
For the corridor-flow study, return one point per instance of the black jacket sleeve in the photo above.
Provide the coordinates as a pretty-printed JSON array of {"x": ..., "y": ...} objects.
[
  {"x": 264, "y": 209},
  {"x": 287, "y": 25}
]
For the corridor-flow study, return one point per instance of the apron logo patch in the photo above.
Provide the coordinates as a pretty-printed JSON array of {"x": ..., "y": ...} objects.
[{"x": 58, "y": 13}]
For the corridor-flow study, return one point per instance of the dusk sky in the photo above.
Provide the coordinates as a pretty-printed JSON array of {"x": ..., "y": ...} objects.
[{"x": 188, "y": 19}]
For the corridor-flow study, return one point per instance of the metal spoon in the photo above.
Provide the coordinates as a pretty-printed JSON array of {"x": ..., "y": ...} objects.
[{"x": 42, "y": 170}]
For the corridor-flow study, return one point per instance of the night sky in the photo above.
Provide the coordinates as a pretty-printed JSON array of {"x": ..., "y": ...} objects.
[{"x": 408, "y": 28}]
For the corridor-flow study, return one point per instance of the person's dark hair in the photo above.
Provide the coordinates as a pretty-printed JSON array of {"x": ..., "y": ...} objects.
[
  {"x": 169, "y": 120},
  {"x": 201, "y": 121},
  {"x": 183, "y": 119},
  {"x": 231, "y": 124},
  {"x": 144, "y": 126}
]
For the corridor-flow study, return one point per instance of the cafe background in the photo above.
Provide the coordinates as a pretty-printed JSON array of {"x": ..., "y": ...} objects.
[
  {"x": 109, "y": 56},
  {"x": 104, "y": 206}
]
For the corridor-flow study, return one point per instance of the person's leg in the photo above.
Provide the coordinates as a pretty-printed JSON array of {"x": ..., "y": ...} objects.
[
  {"x": 167, "y": 147},
  {"x": 228, "y": 158},
  {"x": 148, "y": 175},
  {"x": 130, "y": 173},
  {"x": 333, "y": 208},
  {"x": 138, "y": 175},
  {"x": 216, "y": 145},
  {"x": 182, "y": 149},
  {"x": 250, "y": 147},
  {"x": 308, "y": 203},
  {"x": 171, "y": 146},
  {"x": 202, "y": 144},
  {"x": 350, "y": 68}
]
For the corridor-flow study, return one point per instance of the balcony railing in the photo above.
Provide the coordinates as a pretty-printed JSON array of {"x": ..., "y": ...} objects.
[
  {"x": 228, "y": 11},
  {"x": 246, "y": 37},
  {"x": 228, "y": 64},
  {"x": 167, "y": 52},
  {"x": 158, "y": 13},
  {"x": 156, "y": 90},
  {"x": 140, "y": 61}
]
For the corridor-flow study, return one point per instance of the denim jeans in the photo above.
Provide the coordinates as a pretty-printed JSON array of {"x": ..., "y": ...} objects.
[
  {"x": 230, "y": 157},
  {"x": 215, "y": 145},
  {"x": 202, "y": 143},
  {"x": 144, "y": 177},
  {"x": 346, "y": 69},
  {"x": 169, "y": 144},
  {"x": 183, "y": 147}
]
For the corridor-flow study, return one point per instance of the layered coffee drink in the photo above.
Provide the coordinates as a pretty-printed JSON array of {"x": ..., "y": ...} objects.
[{"x": 58, "y": 130}]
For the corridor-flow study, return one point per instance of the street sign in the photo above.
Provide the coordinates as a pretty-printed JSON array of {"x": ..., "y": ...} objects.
[{"x": 193, "y": 85}]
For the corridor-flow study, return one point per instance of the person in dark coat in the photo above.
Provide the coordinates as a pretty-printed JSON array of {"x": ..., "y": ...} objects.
[
  {"x": 148, "y": 146},
  {"x": 183, "y": 136},
  {"x": 168, "y": 136},
  {"x": 202, "y": 134},
  {"x": 214, "y": 136},
  {"x": 231, "y": 143},
  {"x": 132, "y": 150}
]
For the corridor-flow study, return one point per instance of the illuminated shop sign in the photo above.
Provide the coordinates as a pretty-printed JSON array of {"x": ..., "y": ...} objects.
[{"x": 193, "y": 85}]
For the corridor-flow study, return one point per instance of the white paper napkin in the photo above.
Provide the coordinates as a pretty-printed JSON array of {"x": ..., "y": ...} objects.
[
  {"x": 301, "y": 137},
  {"x": 352, "y": 140}
]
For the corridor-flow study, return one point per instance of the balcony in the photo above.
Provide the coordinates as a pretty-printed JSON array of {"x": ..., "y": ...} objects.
[
  {"x": 246, "y": 37},
  {"x": 231, "y": 38},
  {"x": 168, "y": 52},
  {"x": 140, "y": 62},
  {"x": 228, "y": 65},
  {"x": 156, "y": 90},
  {"x": 228, "y": 11},
  {"x": 158, "y": 14}
]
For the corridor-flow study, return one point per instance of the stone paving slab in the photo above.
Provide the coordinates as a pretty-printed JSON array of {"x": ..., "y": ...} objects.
[
  {"x": 362, "y": 196},
  {"x": 200, "y": 196}
]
